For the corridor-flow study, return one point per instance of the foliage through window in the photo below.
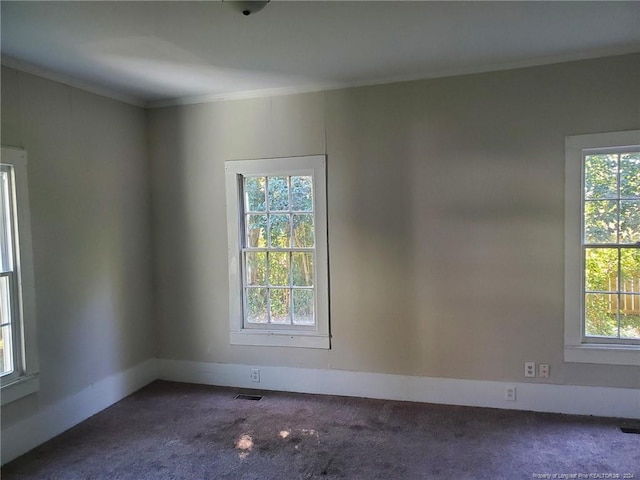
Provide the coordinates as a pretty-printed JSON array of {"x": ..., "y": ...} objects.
[
  {"x": 611, "y": 244},
  {"x": 278, "y": 251}
]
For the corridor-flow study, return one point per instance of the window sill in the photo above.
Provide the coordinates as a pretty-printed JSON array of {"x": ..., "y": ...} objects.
[
  {"x": 280, "y": 339},
  {"x": 19, "y": 388},
  {"x": 603, "y": 354}
]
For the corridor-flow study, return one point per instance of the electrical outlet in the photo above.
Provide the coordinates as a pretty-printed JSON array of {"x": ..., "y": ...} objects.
[
  {"x": 255, "y": 374},
  {"x": 543, "y": 370},
  {"x": 529, "y": 369},
  {"x": 510, "y": 393}
]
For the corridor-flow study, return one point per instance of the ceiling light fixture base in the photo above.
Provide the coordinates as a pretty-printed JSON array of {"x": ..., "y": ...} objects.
[{"x": 247, "y": 7}]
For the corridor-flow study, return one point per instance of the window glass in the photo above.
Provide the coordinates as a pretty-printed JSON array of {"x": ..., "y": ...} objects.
[{"x": 611, "y": 226}]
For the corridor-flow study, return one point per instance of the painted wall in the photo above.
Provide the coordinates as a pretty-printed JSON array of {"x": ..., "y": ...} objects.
[
  {"x": 445, "y": 218},
  {"x": 90, "y": 203}
]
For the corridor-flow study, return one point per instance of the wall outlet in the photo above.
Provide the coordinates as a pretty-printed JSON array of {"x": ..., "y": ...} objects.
[
  {"x": 529, "y": 369},
  {"x": 510, "y": 393},
  {"x": 255, "y": 374},
  {"x": 543, "y": 370}
]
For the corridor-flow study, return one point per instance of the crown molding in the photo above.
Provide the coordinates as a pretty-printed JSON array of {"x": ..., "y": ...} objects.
[{"x": 534, "y": 62}]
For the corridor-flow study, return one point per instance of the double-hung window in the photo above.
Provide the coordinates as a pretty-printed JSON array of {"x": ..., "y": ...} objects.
[
  {"x": 277, "y": 231},
  {"x": 18, "y": 354},
  {"x": 602, "y": 248}
]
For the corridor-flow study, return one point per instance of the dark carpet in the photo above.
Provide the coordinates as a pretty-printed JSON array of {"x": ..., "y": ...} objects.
[{"x": 180, "y": 431}]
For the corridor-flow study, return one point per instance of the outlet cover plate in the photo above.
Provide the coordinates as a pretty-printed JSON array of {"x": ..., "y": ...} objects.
[
  {"x": 510, "y": 393},
  {"x": 529, "y": 369},
  {"x": 544, "y": 370}
]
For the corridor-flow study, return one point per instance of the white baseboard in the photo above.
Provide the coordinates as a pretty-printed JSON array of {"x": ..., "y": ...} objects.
[
  {"x": 27, "y": 434},
  {"x": 570, "y": 399}
]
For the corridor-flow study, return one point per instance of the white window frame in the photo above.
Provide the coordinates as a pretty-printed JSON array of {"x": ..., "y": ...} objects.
[
  {"x": 291, "y": 336},
  {"x": 25, "y": 379},
  {"x": 576, "y": 348}
]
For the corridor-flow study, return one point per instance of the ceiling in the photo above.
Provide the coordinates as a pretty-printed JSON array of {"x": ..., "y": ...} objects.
[{"x": 163, "y": 52}]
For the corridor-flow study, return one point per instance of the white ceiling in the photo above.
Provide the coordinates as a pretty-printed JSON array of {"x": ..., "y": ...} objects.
[{"x": 154, "y": 52}]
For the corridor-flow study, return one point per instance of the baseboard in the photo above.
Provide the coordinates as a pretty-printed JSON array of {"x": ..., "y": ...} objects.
[
  {"x": 570, "y": 399},
  {"x": 27, "y": 434}
]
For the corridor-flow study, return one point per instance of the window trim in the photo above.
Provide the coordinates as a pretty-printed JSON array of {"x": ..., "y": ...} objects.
[
  {"x": 27, "y": 380},
  {"x": 575, "y": 348},
  {"x": 303, "y": 337}
]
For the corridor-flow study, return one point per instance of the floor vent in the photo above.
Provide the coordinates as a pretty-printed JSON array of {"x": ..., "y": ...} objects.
[
  {"x": 630, "y": 429},
  {"x": 248, "y": 397}
]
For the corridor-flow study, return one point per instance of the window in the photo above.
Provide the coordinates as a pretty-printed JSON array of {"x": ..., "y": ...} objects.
[
  {"x": 18, "y": 355},
  {"x": 602, "y": 248},
  {"x": 278, "y": 264}
]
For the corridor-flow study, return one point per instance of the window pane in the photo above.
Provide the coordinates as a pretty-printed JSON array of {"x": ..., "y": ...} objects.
[
  {"x": 279, "y": 230},
  {"x": 600, "y": 176},
  {"x": 303, "y": 307},
  {"x": 630, "y": 265},
  {"x": 601, "y": 269},
  {"x": 302, "y": 269},
  {"x": 256, "y": 266},
  {"x": 279, "y": 268},
  {"x": 302, "y": 194},
  {"x": 601, "y": 315},
  {"x": 254, "y": 194},
  {"x": 6, "y": 339},
  {"x": 630, "y": 221},
  {"x": 280, "y": 305},
  {"x": 256, "y": 231},
  {"x": 630, "y": 175},
  {"x": 630, "y": 298},
  {"x": 5, "y": 300},
  {"x": 6, "y": 260},
  {"x": 257, "y": 305},
  {"x": 630, "y": 318},
  {"x": 6, "y": 354},
  {"x": 278, "y": 193},
  {"x": 303, "y": 231},
  {"x": 600, "y": 221}
]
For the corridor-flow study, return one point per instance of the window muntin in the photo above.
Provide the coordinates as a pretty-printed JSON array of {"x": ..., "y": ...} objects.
[
  {"x": 278, "y": 252},
  {"x": 611, "y": 245}
]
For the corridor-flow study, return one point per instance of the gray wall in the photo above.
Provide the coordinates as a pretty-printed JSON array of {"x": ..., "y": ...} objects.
[
  {"x": 90, "y": 204},
  {"x": 445, "y": 222},
  {"x": 445, "y": 218}
]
